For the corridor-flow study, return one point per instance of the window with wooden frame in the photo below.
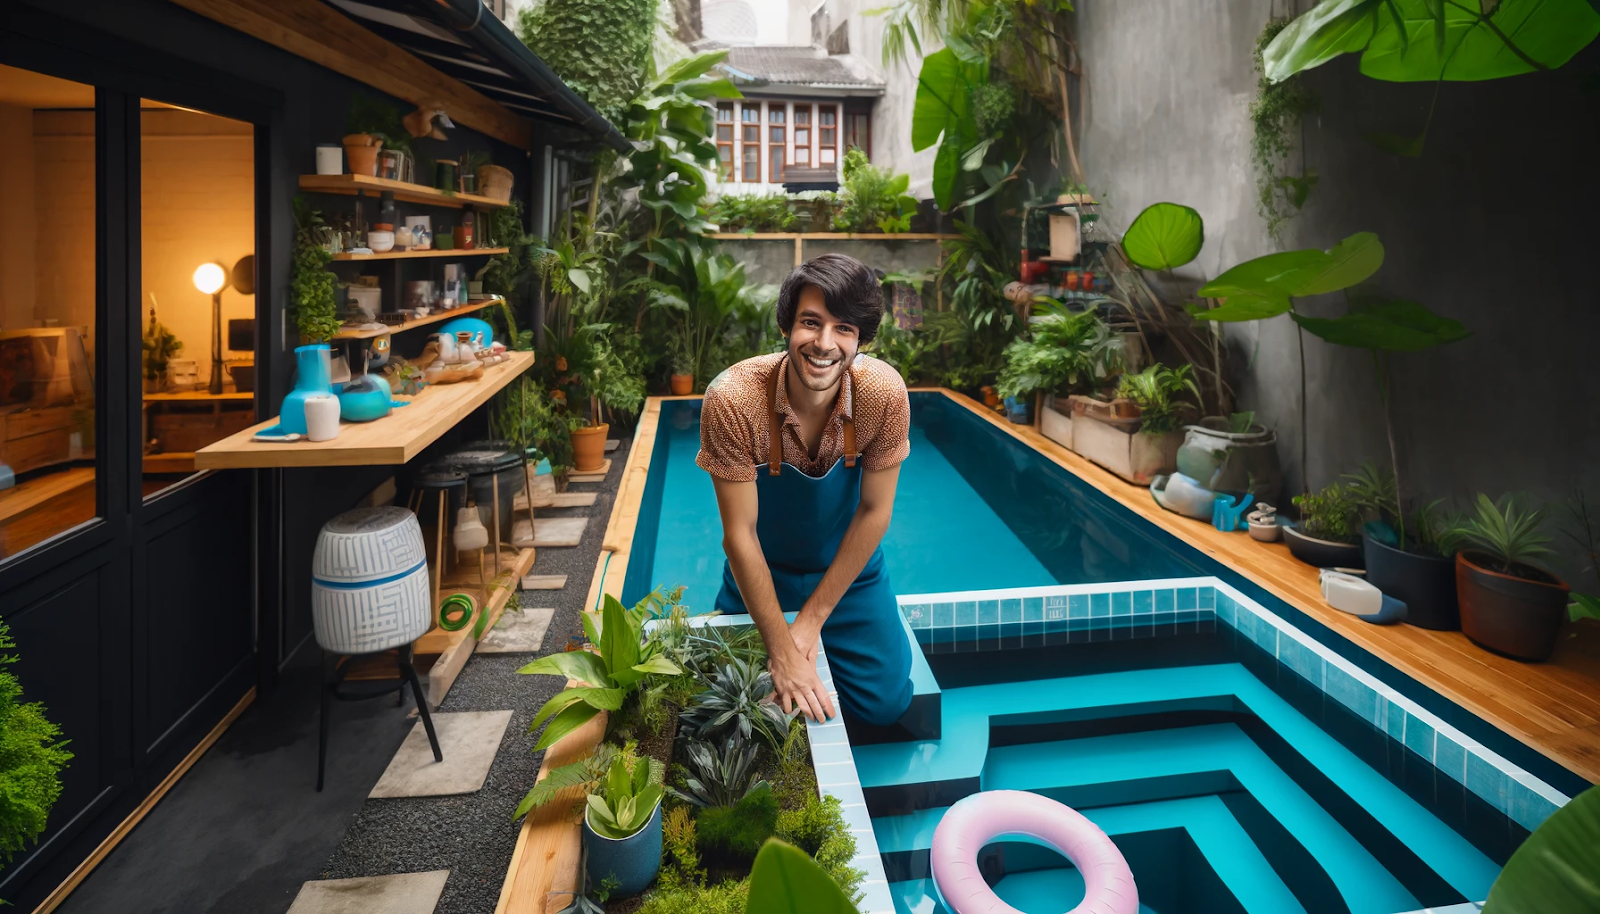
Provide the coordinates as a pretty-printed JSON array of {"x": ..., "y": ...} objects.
[
  {"x": 750, "y": 143},
  {"x": 725, "y": 140},
  {"x": 777, "y": 141},
  {"x": 802, "y": 135},
  {"x": 827, "y": 135},
  {"x": 858, "y": 132}
]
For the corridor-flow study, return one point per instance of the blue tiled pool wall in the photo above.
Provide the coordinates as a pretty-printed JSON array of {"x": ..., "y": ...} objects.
[
  {"x": 1506, "y": 787},
  {"x": 642, "y": 552},
  {"x": 1075, "y": 532}
]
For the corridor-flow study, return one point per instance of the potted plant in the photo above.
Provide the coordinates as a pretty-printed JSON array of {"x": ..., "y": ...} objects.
[
  {"x": 1406, "y": 558},
  {"x": 622, "y": 827},
  {"x": 1149, "y": 448},
  {"x": 683, "y": 367},
  {"x": 1508, "y": 604},
  {"x": 1064, "y": 352},
  {"x": 1328, "y": 533},
  {"x": 371, "y": 126},
  {"x": 159, "y": 345},
  {"x": 1233, "y": 454},
  {"x": 471, "y": 162},
  {"x": 311, "y": 286}
]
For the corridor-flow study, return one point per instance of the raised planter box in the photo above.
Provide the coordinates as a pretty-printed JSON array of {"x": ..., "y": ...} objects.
[
  {"x": 1055, "y": 424},
  {"x": 1133, "y": 455}
]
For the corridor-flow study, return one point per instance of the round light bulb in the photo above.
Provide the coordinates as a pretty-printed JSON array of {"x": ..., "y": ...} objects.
[{"x": 209, "y": 277}]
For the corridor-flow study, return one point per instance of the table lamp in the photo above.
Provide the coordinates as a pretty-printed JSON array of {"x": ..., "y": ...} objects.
[{"x": 211, "y": 279}]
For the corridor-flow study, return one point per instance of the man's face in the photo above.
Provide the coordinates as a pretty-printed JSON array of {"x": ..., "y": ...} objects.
[{"x": 821, "y": 346}]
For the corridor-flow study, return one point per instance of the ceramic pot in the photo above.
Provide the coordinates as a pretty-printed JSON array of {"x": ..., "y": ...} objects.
[
  {"x": 322, "y": 417},
  {"x": 631, "y": 862},
  {"x": 1519, "y": 617},
  {"x": 1267, "y": 532},
  {"x": 1425, "y": 583},
  {"x": 1320, "y": 553},
  {"x": 369, "y": 581},
  {"x": 589, "y": 447},
  {"x": 361, "y": 150},
  {"x": 1245, "y": 457},
  {"x": 682, "y": 384},
  {"x": 330, "y": 159}
]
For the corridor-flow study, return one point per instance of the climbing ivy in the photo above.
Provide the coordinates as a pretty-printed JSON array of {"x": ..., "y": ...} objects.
[
  {"x": 32, "y": 755},
  {"x": 1275, "y": 113},
  {"x": 600, "y": 47}
]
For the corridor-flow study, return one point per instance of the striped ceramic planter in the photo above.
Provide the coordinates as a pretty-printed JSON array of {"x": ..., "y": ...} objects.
[{"x": 369, "y": 584}]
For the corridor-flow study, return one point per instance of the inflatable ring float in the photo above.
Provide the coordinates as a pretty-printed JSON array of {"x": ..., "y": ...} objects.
[{"x": 981, "y": 818}]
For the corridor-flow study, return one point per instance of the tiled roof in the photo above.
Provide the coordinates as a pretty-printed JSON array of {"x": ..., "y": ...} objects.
[{"x": 799, "y": 66}]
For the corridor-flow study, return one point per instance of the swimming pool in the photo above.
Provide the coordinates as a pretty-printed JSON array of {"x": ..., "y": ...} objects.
[{"x": 1242, "y": 757}]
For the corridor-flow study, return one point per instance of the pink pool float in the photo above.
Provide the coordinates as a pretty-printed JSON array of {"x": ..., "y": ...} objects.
[{"x": 981, "y": 818}]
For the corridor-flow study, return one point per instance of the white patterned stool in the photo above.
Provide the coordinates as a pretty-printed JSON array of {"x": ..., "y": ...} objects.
[{"x": 370, "y": 593}]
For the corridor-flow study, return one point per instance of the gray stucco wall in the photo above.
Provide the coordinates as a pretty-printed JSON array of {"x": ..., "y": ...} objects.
[{"x": 1491, "y": 226}]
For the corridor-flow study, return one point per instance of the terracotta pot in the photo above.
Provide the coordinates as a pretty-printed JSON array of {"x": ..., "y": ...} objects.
[
  {"x": 990, "y": 398},
  {"x": 1511, "y": 615},
  {"x": 361, "y": 150},
  {"x": 589, "y": 447},
  {"x": 682, "y": 384},
  {"x": 561, "y": 363}
]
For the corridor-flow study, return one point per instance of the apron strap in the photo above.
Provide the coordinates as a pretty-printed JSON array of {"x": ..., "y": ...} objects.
[{"x": 775, "y": 425}]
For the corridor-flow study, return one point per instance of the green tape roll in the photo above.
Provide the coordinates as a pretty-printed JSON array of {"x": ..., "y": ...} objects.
[{"x": 456, "y": 611}]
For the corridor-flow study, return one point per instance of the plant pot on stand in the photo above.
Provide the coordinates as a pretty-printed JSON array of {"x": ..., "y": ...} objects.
[
  {"x": 1425, "y": 583},
  {"x": 630, "y": 863},
  {"x": 1514, "y": 614},
  {"x": 682, "y": 384},
  {"x": 589, "y": 447}
]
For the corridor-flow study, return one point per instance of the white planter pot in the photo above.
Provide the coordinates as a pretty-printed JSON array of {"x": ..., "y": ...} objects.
[
  {"x": 1135, "y": 456},
  {"x": 1055, "y": 425}
]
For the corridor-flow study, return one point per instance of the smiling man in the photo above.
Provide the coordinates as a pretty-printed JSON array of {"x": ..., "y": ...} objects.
[{"x": 805, "y": 447}]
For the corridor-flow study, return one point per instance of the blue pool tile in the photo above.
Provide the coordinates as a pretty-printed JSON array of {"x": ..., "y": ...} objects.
[
  {"x": 1208, "y": 597},
  {"x": 1078, "y": 606},
  {"x": 917, "y": 615},
  {"x": 988, "y": 612},
  {"x": 1164, "y": 601},
  {"x": 1032, "y": 609},
  {"x": 1395, "y": 721},
  {"x": 1121, "y": 604},
  {"x": 1010, "y": 610},
  {"x": 944, "y": 615},
  {"x": 1033, "y": 627},
  {"x": 1302, "y": 659},
  {"x": 1144, "y": 603},
  {"x": 1419, "y": 737},
  {"x": 1100, "y": 604},
  {"x": 942, "y": 646},
  {"x": 1449, "y": 757},
  {"x": 1352, "y": 693},
  {"x": 1489, "y": 783},
  {"x": 966, "y": 613},
  {"x": 1225, "y": 608},
  {"x": 1529, "y": 809},
  {"x": 1187, "y": 598},
  {"x": 989, "y": 635}
]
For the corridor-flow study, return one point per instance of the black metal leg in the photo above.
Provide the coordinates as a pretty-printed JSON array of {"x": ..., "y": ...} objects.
[
  {"x": 422, "y": 701},
  {"x": 326, "y": 688}
]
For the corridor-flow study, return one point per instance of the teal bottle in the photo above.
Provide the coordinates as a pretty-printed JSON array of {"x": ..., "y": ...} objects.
[{"x": 312, "y": 379}]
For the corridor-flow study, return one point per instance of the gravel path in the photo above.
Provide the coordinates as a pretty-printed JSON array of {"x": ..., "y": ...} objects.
[{"x": 473, "y": 835}]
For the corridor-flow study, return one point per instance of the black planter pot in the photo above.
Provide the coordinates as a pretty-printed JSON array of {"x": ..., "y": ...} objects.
[
  {"x": 1425, "y": 583},
  {"x": 1322, "y": 553},
  {"x": 1519, "y": 617}
]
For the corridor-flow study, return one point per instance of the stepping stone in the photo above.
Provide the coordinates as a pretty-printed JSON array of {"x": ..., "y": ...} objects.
[
  {"x": 406, "y": 893},
  {"x": 468, "y": 740},
  {"x": 593, "y": 475},
  {"x": 549, "y": 532},
  {"x": 517, "y": 632},
  {"x": 544, "y": 581},
  {"x": 612, "y": 444}
]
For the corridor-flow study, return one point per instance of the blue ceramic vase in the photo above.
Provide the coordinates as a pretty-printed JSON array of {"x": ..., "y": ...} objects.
[
  {"x": 312, "y": 379},
  {"x": 631, "y": 862}
]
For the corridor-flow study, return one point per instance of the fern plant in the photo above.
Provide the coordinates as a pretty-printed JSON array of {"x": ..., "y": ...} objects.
[
  {"x": 32, "y": 755},
  {"x": 1064, "y": 349},
  {"x": 1155, "y": 391}
]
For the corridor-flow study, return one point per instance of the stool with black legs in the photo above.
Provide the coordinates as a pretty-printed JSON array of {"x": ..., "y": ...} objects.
[{"x": 370, "y": 594}]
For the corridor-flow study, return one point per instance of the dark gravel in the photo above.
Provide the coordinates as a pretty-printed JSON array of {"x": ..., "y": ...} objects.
[{"x": 473, "y": 835}]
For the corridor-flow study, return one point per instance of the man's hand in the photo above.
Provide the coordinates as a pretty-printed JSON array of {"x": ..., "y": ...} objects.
[
  {"x": 795, "y": 683},
  {"x": 805, "y": 632}
]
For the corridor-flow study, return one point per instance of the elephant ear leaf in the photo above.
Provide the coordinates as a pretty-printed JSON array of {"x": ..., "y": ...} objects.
[
  {"x": 1350, "y": 262},
  {"x": 785, "y": 880},
  {"x": 1164, "y": 237},
  {"x": 1391, "y": 325},
  {"x": 1557, "y": 869}
]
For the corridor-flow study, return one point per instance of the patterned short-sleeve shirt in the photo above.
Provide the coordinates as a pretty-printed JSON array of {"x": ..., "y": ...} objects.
[{"x": 734, "y": 431}]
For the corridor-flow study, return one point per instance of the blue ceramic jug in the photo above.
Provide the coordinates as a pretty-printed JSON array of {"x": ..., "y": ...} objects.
[{"x": 313, "y": 363}]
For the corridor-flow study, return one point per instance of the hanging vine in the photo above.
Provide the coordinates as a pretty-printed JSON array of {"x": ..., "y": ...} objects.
[{"x": 1276, "y": 113}]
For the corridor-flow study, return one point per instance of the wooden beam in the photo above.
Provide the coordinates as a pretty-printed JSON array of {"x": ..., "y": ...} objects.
[{"x": 317, "y": 32}]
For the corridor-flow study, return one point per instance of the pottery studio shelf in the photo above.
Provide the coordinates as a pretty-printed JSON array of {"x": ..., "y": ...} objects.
[
  {"x": 390, "y": 441},
  {"x": 434, "y": 318},
  {"x": 431, "y": 252},
  {"x": 403, "y": 190}
]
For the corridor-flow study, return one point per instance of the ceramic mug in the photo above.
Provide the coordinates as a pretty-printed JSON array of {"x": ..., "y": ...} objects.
[
  {"x": 330, "y": 159},
  {"x": 322, "y": 417}
]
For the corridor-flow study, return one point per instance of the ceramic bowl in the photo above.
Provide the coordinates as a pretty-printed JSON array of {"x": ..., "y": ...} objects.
[
  {"x": 380, "y": 241},
  {"x": 1266, "y": 533}
]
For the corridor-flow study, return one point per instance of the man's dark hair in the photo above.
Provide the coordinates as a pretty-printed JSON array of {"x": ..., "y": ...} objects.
[{"x": 849, "y": 289}]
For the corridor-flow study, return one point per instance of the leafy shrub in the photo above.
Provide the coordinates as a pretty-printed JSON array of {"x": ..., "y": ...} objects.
[
  {"x": 735, "y": 702},
  {"x": 1509, "y": 535},
  {"x": 752, "y": 213},
  {"x": 810, "y": 826},
  {"x": 874, "y": 200},
  {"x": 1332, "y": 514},
  {"x": 598, "y": 47},
  {"x": 731, "y": 835},
  {"x": 720, "y": 776},
  {"x": 1155, "y": 391},
  {"x": 722, "y": 898},
  {"x": 681, "y": 850},
  {"x": 32, "y": 755},
  {"x": 310, "y": 284},
  {"x": 1065, "y": 349}
]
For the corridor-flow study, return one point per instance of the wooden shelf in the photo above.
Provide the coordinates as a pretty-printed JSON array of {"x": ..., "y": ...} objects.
[
  {"x": 403, "y": 190},
  {"x": 431, "y": 252},
  {"x": 198, "y": 396},
  {"x": 433, "y": 318},
  {"x": 390, "y": 441}
]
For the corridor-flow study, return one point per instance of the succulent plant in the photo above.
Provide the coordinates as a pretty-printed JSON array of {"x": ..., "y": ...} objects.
[{"x": 720, "y": 776}]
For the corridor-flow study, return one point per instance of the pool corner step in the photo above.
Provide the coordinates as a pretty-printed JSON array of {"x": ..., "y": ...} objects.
[{"x": 922, "y": 719}]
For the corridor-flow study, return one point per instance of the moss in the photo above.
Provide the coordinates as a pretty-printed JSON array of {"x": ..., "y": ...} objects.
[
  {"x": 819, "y": 829},
  {"x": 722, "y": 898},
  {"x": 731, "y": 835}
]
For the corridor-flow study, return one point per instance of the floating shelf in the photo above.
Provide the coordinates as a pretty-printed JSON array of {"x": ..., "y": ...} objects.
[
  {"x": 403, "y": 190},
  {"x": 432, "y": 252},
  {"x": 390, "y": 441},
  {"x": 197, "y": 396},
  {"x": 434, "y": 318}
]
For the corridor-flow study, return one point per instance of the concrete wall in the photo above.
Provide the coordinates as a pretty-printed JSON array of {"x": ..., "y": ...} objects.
[
  {"x": 771, "y": 261},
  {"x": 891, "y": 116},
  {"x": 1490, "y": 226}
]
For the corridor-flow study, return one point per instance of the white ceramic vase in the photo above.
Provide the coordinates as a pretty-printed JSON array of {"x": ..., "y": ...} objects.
[{"x": 322, "y": 418}]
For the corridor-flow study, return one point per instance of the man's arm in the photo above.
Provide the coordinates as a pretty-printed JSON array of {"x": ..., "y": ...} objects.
[
  {"x": 861, "y": 539},
  {"x": 794, "y": 673}
]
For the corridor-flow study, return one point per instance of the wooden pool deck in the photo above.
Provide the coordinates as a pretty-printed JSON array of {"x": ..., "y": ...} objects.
[{"x": 1553, "y": 707}]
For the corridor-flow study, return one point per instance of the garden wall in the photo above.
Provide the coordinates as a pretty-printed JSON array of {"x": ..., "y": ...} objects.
[
  {"x": 769, "y": 261},
  {"x": 1487, "y": 227}
]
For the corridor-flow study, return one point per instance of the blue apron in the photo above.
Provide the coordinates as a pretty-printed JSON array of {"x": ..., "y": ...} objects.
[{"x": 801, "y": 521}]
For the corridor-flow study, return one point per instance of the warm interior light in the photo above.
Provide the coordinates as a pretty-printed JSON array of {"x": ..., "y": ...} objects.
[{"x": 208, "y": 278}]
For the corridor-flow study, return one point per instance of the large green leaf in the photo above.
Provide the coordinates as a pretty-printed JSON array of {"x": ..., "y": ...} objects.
[
  {"x": 1351, "y": 261},
  {"x": 659, "y": 665},
  {"x": 580, "y": 665},
  {"x": 946, "y": 172},
  {"x": 1164, "y": 237},
  {"x": 1322, "y": 33},
  {"x": 603, "y": 699},
  {"x": 569, "y": 719},
  {"x": 1557, "y": 869},
  {"x": 619, "y": 641},
  {"x": 1393, "y": 325},
  {"x": 785, "y": 880},
  {"x": 1243, "y": 308},
  {"x": 944, "y": 99},
  {"x": 1262, "y": 277}
]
